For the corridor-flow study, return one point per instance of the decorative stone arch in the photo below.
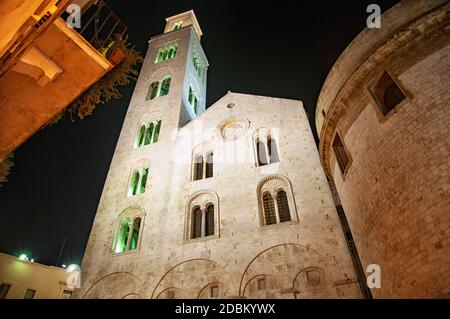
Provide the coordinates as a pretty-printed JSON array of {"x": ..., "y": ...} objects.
[
  {"x": 273, "y": 184},
  {"x": 189, "y": 277},
  {"x": 283, "y": 262},
  {"x": 131, "y": 213},
  {"x": 161, "y": 294},
  {"x": 270, "y": 282},
  {"x": 132, "y": 295},
  {"x": 105, "y": 287},
  {"x": 264, "y": 135},
  {"x": 202, "y": 199}
]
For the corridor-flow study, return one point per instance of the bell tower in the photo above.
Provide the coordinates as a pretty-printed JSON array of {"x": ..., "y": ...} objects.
[{"x": 172, "y": 84}]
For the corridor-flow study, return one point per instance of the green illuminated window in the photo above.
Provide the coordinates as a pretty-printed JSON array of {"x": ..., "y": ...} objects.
[
  {"x": 178, "y": 25},
  {"x": 165, "y": 86},
  {"x": 138, "y": 182},
  {"x": 166, "y": 53},
  {"x": 134, "y": 183},
  {"x": 143, "y": 181},
  {"x": 122, "y": 236},
  {"x": 128, "y": 235},
  {"x": 148, "y": 134},
  {"x": 135, "y": 233},
  {"x": 198, "y": 66},
  {"x": 152, "y": 91}
]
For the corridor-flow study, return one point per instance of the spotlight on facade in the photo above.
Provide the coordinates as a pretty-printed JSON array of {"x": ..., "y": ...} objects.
[
  {"x": 23, "y": 257},
  {"x": 73, "y": 267}
]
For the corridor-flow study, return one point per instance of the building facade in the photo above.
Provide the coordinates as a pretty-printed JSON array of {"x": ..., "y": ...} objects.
[
  {"x": 383, "y": 118},
  {"x": 21, "y": 278},
  {"x": 225, "y": 202}
]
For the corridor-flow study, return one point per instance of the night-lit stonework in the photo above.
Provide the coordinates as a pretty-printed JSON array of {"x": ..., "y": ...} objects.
[
  {"x": 303, "y": 254},
  {"x": 395, "y": 186}
]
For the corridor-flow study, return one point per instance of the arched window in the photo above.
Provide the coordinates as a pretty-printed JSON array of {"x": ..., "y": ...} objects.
[
  {"x": 156, "y": 132},
  {"x": 178, "y": 25},
  {"x": 265, "y": 147},
  {"x": 197, "y": 223},
  {"x": 122, "y": 237},
  {"x": 269, "y": 209},
  {"x": 165, "y": 86},
  {"x": 273, "y": 150},
  {"x": 152, "y": 91},
  {"x": 209, "y": 165},
  {"x": 141, "y": 135},
  {"x": 209, "y": 220},
  {"x": 261, "y": 153},
  {"x": 135, "y": 233},
  {"x": 202, "y": 216},
  {"x": 134, "y": 183},
  {"x": 148, "y": 134},
  {"x": 275, "y": 200},
  {"x": 129, "y": 228},
  {"x": 283, "y": 207},
  {"x": 138, "y": 182},
  {"x": 198, "y": 167}
]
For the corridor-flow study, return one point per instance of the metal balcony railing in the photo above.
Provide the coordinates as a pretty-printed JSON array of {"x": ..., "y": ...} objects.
[{"x": 102, "y": 27}]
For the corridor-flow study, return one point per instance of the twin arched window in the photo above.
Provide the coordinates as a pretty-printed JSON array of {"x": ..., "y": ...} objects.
[
  {"x": 266, "y": 149},
  {"x": 202, "y": 222},
  {"x": 138, "y": 182},
  {"x": 166, "y": 53},
  {"x": 159, "y": 88},
  {"x": 202, "y": 168},
  {"x": 202, "y": 216},
  {"x": 127, "y": 237},
  {"x": 148, "y": 134},
  {"x": 276, "y": 211},
  {"x": 276, "y": 203}
]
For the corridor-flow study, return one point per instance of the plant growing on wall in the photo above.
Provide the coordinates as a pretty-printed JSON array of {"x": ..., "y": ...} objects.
[
  {"x": 5, "y": 168},
  {"x": 107, "y": 88}
]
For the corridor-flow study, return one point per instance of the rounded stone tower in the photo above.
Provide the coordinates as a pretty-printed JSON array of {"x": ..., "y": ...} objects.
[{"x": 383, "y": 118}]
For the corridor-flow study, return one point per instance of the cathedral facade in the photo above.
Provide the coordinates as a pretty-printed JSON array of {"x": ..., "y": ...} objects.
[{"x": 225, "y": 202}]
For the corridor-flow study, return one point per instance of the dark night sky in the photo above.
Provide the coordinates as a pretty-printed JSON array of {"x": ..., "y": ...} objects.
[{"x": 281, "y": 49}]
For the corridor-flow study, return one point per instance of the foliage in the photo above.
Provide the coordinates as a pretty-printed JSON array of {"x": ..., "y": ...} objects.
[
  {"x": 5, "y": 168},
  {"x": 107, "y": 88}
]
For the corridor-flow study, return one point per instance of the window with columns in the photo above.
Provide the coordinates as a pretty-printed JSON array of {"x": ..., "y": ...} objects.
[
  {"x": 203, "y": 166},
  {"x": 276, "y": 201},
  {"x": 166, "y": 53},
  {"x": 148, "y": 134},
  {"x": 128, "y": 231},
  {"x": 159, "y": 88},
  {"x": 203, "y": 222},
  {"x": 138, "y": 181},
  {"x": 202, "y": 216},
  {"x": 266, "y": 149}
]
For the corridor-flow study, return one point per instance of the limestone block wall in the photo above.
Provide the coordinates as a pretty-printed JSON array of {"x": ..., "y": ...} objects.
[
  {"x": 242, "y": 250},
  {"x": 396, "y": 190}
]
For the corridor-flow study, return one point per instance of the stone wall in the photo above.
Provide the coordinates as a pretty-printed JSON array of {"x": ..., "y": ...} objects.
[{"x": 396, "y": 190}]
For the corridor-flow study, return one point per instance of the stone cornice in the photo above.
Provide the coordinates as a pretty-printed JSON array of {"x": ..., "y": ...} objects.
[{"x": 347, "y": 88}]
